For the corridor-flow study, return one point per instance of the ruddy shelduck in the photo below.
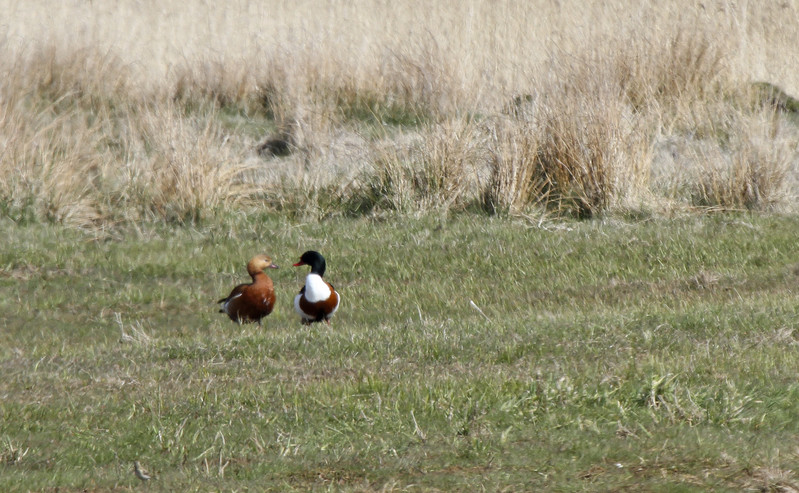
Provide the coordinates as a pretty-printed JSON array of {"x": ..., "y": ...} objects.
[{"x": 252, "y": 302}]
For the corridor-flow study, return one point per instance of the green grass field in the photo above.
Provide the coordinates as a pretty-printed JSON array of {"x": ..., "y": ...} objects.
[{"x": 616, "y": 354}]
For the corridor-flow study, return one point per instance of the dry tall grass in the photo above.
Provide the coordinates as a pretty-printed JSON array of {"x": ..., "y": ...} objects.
[{"x": 117, "y": 111}]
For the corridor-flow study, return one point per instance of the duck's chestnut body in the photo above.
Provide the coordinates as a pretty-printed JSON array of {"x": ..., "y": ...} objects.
[{"x": 252, "y": 302}]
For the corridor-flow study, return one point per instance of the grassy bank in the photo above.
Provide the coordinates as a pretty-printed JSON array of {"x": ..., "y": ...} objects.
[{"x": 606, "y": 355}]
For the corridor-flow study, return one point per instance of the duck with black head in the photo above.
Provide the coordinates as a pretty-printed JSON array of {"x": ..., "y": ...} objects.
[{"x": 318, "y": 300}]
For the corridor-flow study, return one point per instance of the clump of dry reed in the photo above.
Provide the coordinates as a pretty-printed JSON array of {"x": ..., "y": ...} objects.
[
  {"x": 750, "y": 169},
  {"x": 435, "y": 171},
  {"x": 179, "y": 167},
  {"x": 52, "y": 136},
  {"x": 50, "y": 167},
  {"x": 513, "y": 183},
  {"x": 567, "y": 159},
  {"x": 584, "y": 142},
  {"x": 79, "y": 150}
]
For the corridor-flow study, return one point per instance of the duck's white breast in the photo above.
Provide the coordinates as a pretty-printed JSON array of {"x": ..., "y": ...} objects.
[{"x": 316, "y": 289}]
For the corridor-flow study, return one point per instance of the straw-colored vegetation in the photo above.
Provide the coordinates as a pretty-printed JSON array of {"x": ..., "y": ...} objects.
[{"x": 141, "y": 110}]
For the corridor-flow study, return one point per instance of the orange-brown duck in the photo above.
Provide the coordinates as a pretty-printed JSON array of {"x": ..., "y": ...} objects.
[{"x": 252, "y": 302}]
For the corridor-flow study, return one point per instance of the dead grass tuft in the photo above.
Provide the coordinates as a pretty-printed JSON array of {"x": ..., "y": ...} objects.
[
  {"x": 749, "y": 168},
  {"x": 435, "y": 170},
  {"x": 50, "y": 164},
  {"x": 181, "y": 168},
  {"x": 772, "y": 479},
  {"x": 513, "y": 183},
  {"x": 450, "y": 155},
  {"x": 576, "y": 154},
  {"x": 664, "y": 72}
]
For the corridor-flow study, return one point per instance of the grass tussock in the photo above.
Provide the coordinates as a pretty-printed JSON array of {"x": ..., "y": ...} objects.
[
  {"x": 76, "y": 153},
  {"x": 450, "y": 156},
  {"x": 575, "y": 159},
  {"x": 751, "y": 171},
  {"x": 658, "y": 72},
  {"x": 182, "y": 167},
  {"x": 436, "y": 171},
  {"x": 513, "y": 183},
  {"x": 62, "y": 76},
  {"x": 50, "y": 166}
]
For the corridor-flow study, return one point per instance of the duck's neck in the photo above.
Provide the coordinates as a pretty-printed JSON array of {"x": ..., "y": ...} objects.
[
  {"x": 318, "y": 269},
  {"x": 260, "y": 277}
]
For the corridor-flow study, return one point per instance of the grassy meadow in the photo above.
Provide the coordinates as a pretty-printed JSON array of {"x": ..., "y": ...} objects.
[
  {"x": 564, "y": 234},
  {"x": 605, "y": 355}
]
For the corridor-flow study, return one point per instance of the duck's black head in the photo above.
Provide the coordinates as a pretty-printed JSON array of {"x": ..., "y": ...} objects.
[{"x": 315, "y": 260}]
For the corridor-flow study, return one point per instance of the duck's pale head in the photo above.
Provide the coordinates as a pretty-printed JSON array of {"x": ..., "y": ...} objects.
[{"x": 259, "y": 263}]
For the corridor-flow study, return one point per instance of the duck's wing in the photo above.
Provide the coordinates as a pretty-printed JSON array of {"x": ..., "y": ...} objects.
[{"x": 237, "y": 291}]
